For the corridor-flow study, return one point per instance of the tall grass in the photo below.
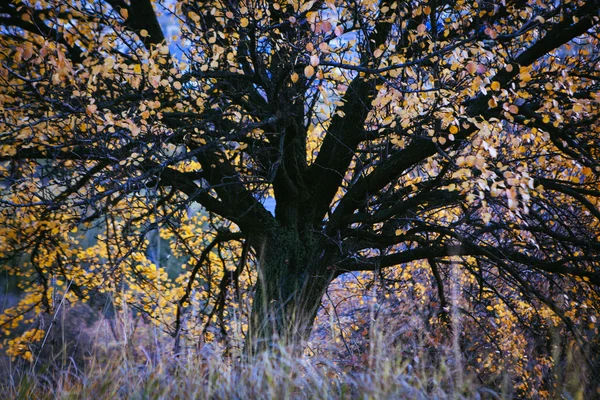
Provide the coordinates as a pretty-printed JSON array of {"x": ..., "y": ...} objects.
[
  {"x": 273, "y": 375},
  {"x": 135, "y": 360},
  {"x": 144, "y": 368}
]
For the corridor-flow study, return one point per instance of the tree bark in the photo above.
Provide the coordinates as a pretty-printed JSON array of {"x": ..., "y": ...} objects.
[{"x": 293, "y": 277}]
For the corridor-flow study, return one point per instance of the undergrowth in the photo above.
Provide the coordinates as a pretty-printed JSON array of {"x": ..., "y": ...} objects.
[
  {"x": 137, "y": 361},
  {"x": 144, "y": 367}
]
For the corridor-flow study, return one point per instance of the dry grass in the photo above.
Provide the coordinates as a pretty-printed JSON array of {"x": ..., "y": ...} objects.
[
  {"x": 145, "y": 368},
  {"x": 104, "y": 361},
  {"x": 276, "y": 375}
]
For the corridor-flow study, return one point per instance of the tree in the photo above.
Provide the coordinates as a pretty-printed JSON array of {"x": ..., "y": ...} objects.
[{"x": 451, "y": 133}]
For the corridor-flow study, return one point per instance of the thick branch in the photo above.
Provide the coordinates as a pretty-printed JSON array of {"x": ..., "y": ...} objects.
[
  {"x": 343, "y": 136},
  {"x": 141, "y": 16}
]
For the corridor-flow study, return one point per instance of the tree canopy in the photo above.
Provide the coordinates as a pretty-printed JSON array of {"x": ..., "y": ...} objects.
[{"x": 455, "y": 138}]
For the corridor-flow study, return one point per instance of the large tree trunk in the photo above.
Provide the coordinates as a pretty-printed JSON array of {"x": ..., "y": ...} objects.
[{"x": 293, "y": 277}]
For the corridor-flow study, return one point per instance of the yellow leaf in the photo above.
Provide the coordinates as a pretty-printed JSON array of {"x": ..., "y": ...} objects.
[
  {"x": 244, "y": 22},
  {"x": 309, "y": 71},
  {"x": 325, "y": 27},
  {"x": 294, "y": 77},
  {"x": 314, "y": 60},
  {"x": 495, "y": 85},
  {"x": 525, "y": 76},
  {"x": 491, "y": 33},
  {"x": 144, "y": 33},
  {"x": 453, "y": 129},
  {"x": 471, "y": 67},
  {"x": 124, "y": 13},
  {"x": 27, "y": 51}
]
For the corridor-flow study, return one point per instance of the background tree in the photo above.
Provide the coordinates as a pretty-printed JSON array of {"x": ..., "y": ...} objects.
[{"x": 459, "y": 135}]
